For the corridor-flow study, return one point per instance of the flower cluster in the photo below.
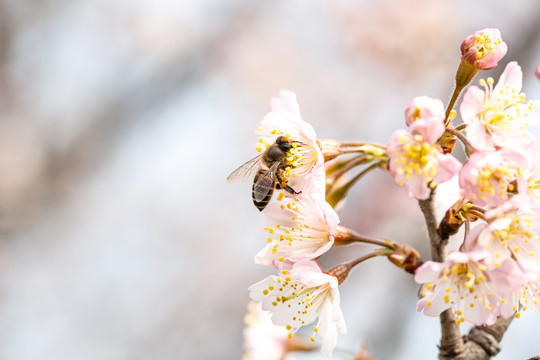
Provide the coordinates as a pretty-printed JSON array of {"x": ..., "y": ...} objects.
[
  {"x": 416, "y": 157},
  {"x": 497, "y": 269},
  {"x": 299, "y": 227},
  {"x": 299, "y": 180}
]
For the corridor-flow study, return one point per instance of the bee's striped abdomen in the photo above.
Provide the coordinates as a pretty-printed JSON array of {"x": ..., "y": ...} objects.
[{"x": 263, "y": 188}]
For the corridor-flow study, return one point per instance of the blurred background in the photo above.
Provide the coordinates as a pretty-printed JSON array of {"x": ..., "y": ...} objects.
[{"x": 120, "y": 121}]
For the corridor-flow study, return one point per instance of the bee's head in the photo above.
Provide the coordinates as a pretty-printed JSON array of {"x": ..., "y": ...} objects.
[{"x": 284, "y": 143}]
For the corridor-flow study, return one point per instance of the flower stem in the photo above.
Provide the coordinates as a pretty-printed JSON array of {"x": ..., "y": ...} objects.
[
  {"x": 468, "y": 147},
  {"x": 349, "y": 184},
  {"x": 455, "y": 95},
  {"x": 355, "y": 161},
  {"x": 335, "y": 194},
  {"x": 368, "y": 256},
  {"x": 476, "y": 213},
  {"x": 359, "y": 146},
  {"x": 344, "y": 236},
  {"x": 341, "y": 272},
  {"x": 477, "y": 209}
]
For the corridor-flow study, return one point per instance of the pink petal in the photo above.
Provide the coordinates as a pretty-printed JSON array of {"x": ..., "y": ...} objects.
[
  {"x": 471, "y": 104},
  {"x": 428, "y": 272},
  {"x": 512, "y": 76},
  {"x": 448, "y": 167}
]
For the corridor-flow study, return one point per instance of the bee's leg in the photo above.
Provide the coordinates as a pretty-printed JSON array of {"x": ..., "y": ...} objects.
[
  {"x": 283, "y": 185},
  {"x": 290, "y": 190}
]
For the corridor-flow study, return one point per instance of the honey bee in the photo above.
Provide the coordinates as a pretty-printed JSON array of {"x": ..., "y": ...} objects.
[{"x": 269, "y": 165}]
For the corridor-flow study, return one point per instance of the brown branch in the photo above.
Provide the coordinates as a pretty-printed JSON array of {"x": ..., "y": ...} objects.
[
  {"x": 451, "y": 341},
  {"x": 482, "y": 342},
  {"x": 437, "y": 248}
]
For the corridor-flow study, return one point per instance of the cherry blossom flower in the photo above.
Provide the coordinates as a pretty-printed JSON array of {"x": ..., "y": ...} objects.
[
  {"x": 483, "y": 49},
  {"x": 265, "y": 341},
  {"x": 529, "y": 182},
  {"x": 508, "y": 234},
  {"x": 527, "y": 297},
  {"x": 305, "y": 155},
  {"x": 424, "y": 107},
  {"x": 537, "y": 72},
  {"x": 465, "y": 284},
  {"x": 487, "y": 175},
  {"x": 417, "y": 160},
  {"x": 299, "y": 297},
  {"x": 299, "y": 228},
  {"x": 498, "y": 116}
]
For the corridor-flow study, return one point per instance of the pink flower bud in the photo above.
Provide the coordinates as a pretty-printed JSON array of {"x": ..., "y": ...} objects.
[
  {"x": 537, "y": 72},
  {"x": 423, "y": 107},
  {"x": 483, "y": 49}
]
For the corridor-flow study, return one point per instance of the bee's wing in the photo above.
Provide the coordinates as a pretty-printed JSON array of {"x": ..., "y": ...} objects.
[
  {"x": 245, "y": 171},
  {"x": 265, "y": 183}
]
